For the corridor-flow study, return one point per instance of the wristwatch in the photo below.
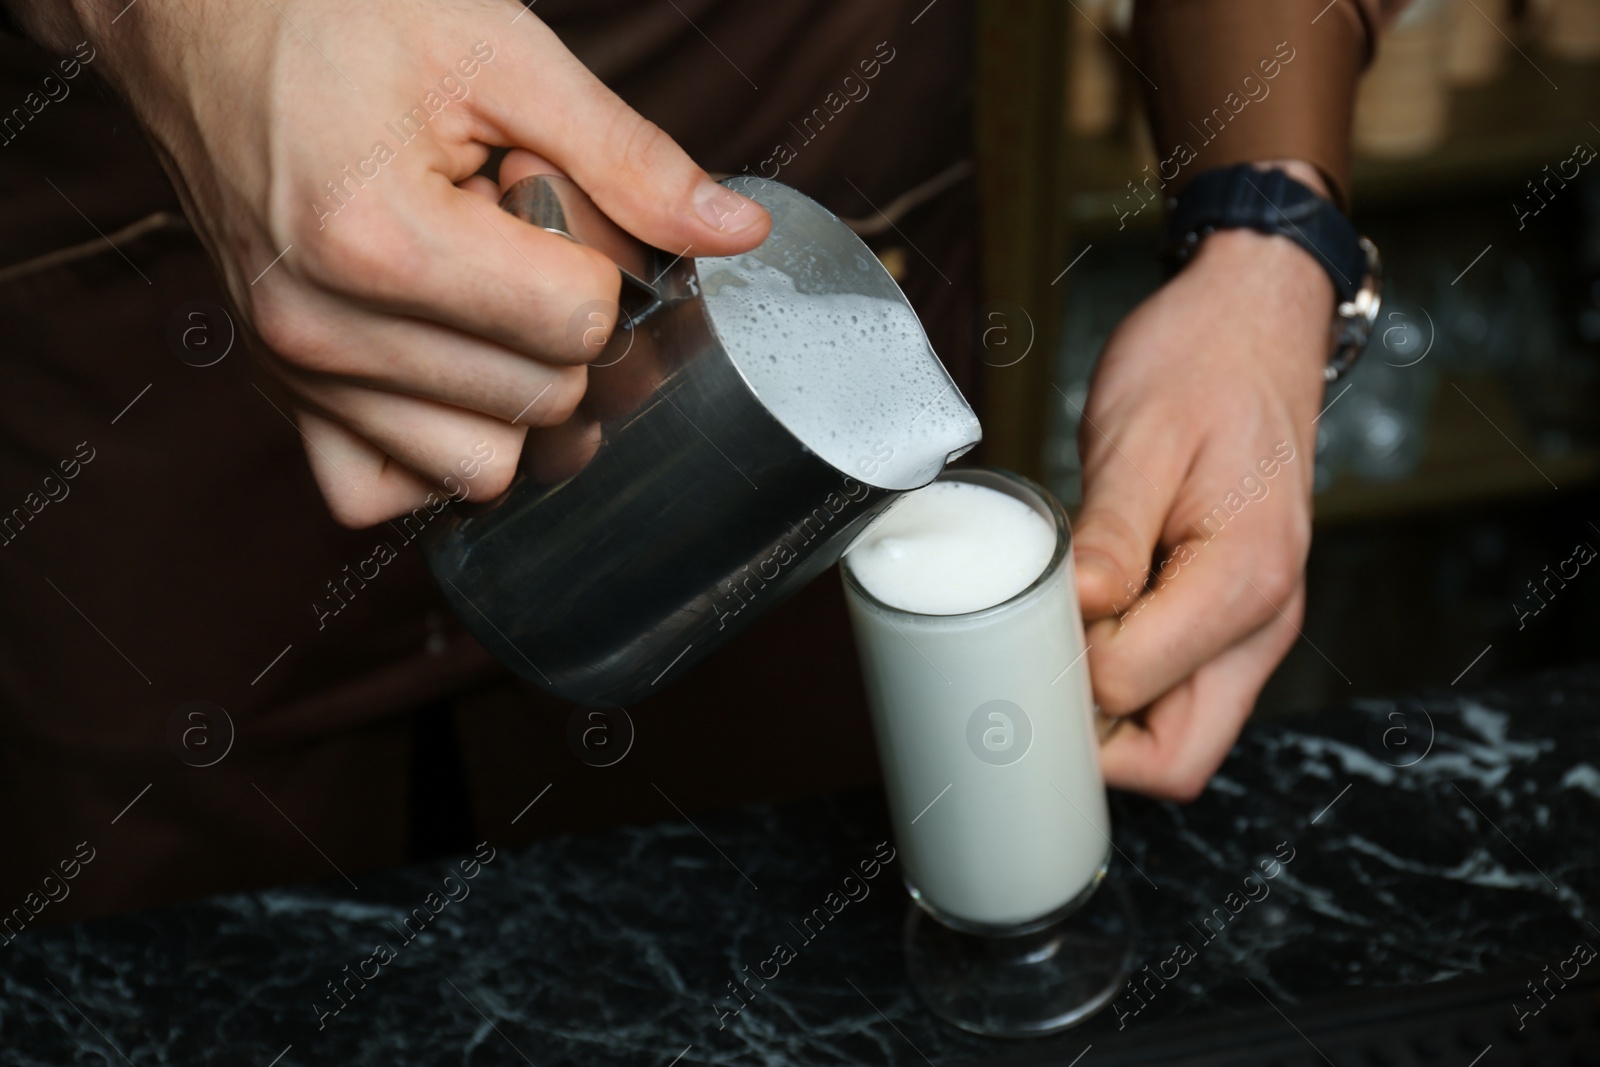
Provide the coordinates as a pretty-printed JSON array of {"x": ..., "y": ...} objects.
[{"x": 1271, "y": 202}]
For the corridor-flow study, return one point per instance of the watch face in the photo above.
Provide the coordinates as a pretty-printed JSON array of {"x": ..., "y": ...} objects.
[{"x": 1356, "y": 318}]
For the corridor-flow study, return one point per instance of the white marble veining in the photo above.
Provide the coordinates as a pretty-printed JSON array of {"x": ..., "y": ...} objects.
[{"x": 1464, "y": 841}]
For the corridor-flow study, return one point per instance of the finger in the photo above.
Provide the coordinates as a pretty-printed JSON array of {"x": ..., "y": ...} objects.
[
  {"x": 624, "y": 375},
  {"x": 440, "y": 253},
  {"x": 361, "y": 485},
  {"x": 518, "y": 284},
  {"x": 1186, "y": 734},
  {"x": 466, "y": 455},
  {"x": 481, "y": 187},
  {"x": 425, "y": 359},
  {"x": 521, "y": 163},
  {"x": 1213, "y": 589},
  {"x": 593, "y": 324},
  {"x": 1129, "y": 487},
  {"x": 632, "y": 170}
]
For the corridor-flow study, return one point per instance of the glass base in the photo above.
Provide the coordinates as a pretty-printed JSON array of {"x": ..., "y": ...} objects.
[
  {"x": 1023, "y": 984},
  {"x": 1051, "y": 918}
]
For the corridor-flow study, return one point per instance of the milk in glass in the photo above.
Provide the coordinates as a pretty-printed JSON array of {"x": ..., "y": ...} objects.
[{"x": 964, "y": 607}]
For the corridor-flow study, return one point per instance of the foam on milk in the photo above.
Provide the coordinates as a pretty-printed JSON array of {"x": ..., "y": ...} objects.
[
  {"x": 851, "y": 376},
  {"x": 952, "y": 548}
]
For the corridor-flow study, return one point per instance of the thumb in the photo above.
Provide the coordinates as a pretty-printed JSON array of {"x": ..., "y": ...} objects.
[
  {"x": 632, "y": 170},
  {"x": 1115, "y": 535}
]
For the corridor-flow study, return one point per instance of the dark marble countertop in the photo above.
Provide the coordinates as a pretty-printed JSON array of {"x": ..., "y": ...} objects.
[{"x": 1446, "y": 834}]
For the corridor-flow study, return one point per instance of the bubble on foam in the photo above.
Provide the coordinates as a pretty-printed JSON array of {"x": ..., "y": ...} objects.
[{"x": 851, "y": 376}]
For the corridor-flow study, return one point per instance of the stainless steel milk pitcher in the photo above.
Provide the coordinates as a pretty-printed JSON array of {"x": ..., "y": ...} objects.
[{"x": 607, "y": 571}]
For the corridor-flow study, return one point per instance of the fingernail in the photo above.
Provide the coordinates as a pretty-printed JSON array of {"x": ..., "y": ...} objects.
[{"x": 725, "y": 210}]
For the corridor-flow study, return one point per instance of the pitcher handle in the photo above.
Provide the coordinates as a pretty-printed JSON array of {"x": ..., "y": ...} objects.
[{"x": 557, "y": 205}]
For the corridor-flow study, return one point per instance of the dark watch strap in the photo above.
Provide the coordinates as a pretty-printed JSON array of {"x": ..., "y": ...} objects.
[{"x": 1267, "y": 201}]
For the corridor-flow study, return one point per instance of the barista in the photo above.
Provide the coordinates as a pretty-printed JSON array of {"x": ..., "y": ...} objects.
[{"x": 415, "y": 326}]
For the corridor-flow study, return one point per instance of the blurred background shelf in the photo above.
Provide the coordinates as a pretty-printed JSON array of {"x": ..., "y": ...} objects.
[
  {"x": 1500, "y": 135},
  {"x": 1462, "y": 456},
  {"x": 1465, "y": 463}
]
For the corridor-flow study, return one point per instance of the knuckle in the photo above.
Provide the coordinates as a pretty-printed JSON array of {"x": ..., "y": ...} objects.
[
  {"x": 296, "y": 337},
  {"x": 593, "y": 286},
  {"x": 1276, "y": 579},
  {"x": 1184, "y": 788},
  {"x": 1299, "y": 536},
  {"x": 282, "y": 327},
  {"x": 1107, "y": 533},
  {"x": 594, "y": 277},
  {"x": 492, "y": 483},
  {"x": 564, "y": 395},
  {"x": 1115, "y": 694},
  {"x": 370, "y": 255},
  {"x": 493, "y": 479},
  {"x": 350, "y": 511},
  {"x": 643, "y": 142},
  {"x": 1295, "y": 612}
]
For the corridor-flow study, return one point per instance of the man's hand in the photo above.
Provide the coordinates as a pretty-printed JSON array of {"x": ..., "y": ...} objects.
[
  {"x": 323, "y": 149},
  {"x": 1198, "y": 442}
]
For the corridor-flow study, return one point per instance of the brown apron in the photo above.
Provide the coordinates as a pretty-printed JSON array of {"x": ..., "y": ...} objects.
[{"x": 162, "y": 543}]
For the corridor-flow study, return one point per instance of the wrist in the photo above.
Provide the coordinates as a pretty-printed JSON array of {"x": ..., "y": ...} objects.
[
  {"x": 138, "y": 45},
  {"x": 126, "y": 36},
  {"x": 1310, "y": 273},
  {"x": 1268, "y": 262},
  {"x": 1273, "y": 299},
  {"x": 1269, "y": 265},
  {"x": 1275, "y": 221}
]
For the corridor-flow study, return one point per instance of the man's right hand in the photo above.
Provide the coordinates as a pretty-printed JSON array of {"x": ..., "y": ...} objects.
[{"x": 324, "y": 151}]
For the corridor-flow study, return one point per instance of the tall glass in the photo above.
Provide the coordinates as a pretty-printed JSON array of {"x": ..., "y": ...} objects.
[{"x": 985, "y": 728}]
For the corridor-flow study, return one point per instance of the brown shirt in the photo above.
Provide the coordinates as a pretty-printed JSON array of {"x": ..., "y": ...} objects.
[
  {"x": 1253, "y": 80},
  {"x": 167, "y": 544}
]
